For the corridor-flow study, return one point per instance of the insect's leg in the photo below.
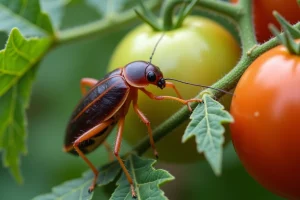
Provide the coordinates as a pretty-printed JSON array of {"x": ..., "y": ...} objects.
[
  {"x": 186, "y": 102},
  {"x": 171, "y": 85},
  {"x": 117, "y": 150},
  {"x": 87, "y": 82},
  {"x": 147, "y": 122},
  {"x": 87, "y": 135},
  {"x": 109, "y": 150}
]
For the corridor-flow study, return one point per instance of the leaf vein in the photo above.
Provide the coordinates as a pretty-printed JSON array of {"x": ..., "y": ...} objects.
[
  {"x": 21, "y": 54},
  {"x": 7, "y": 72},
  {"x": 208, "y": 126},
  {"x": 74, "y": 189},
  {"x": 8, "y": 86},
  {"x": 134, "y": 177}
]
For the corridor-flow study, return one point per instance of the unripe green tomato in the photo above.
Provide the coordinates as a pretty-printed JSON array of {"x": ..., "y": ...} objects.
[{"x": 201, "y": 51}]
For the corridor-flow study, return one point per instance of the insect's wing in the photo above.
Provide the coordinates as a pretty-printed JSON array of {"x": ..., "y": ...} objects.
[{"x": 101, "y": 103}]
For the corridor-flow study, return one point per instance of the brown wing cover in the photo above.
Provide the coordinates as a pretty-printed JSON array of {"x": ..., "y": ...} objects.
[{"x": 101, "y": 103}]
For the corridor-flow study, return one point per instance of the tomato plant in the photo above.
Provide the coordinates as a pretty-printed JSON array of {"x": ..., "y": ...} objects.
[
  {"x": 201, "y": 51},
  {"x": 266, "y": 108},
  {"x": 194, "y": 49},
  {"x": 263, "y": 15}
]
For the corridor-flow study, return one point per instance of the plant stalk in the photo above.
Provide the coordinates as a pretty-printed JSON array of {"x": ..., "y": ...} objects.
[{"x": 222, "y": 8}]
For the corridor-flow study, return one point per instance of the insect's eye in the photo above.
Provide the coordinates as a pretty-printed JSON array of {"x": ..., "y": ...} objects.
[{"x": 151, "y": 77}]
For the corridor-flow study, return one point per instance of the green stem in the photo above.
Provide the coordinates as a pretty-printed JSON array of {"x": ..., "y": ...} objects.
[
  {"x": 246, "y": 27},
  {"x": 219, "y": 7},
  {"x": 222, "y": 8},
  {"x": 105, "y": 25},
  {"x": 230, "y": 80}
]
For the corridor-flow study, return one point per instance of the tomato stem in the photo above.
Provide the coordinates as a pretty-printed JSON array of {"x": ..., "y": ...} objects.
[
  {"x": 287, "y": 38},
  {"x": 168, "y": 11},
  {"x": 246, "y": 27},
  {"x": 232, "y": 12},
  {"x": 148, "y": 21},
  {"x": 148, "y": 17},
  {"x": 183, "y": 13}
]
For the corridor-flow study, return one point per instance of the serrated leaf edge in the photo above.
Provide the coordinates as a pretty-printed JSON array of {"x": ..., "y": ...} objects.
[
  {"x": 165, "y": 180},
  {"x": 27, "y": 68},
  {"x": 206, "y": 99},
  {"x": 132, "y": 170}
]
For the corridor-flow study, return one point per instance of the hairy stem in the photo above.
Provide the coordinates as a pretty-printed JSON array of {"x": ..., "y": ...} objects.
[
  {"x": 219, "y": 7},
  {"x": 246, "y": 28}
]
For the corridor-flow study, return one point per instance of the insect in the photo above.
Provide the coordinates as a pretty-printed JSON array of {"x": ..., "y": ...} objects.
[{"x": 106, "y": 104}]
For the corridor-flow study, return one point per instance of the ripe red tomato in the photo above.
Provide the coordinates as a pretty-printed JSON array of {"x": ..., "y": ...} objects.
[
  {"x": 188, "y": 53},
  {"x": 263, "y": 16},
  {"x": 266, "y": 131}
]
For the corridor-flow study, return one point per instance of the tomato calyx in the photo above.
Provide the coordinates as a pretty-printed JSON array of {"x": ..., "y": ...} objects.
[
  {"x": 167, "y": 11},
  {"x": 288, "y": 36}
]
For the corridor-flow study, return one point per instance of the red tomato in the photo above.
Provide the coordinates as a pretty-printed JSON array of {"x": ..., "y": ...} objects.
[
  {"x": 263, "y": 16},
  {"x": 266, "y": 131}
]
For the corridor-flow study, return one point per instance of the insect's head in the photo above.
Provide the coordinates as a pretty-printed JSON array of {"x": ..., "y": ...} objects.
[
  {"x": 140, "y": 74},
  {"x": 154, "y": 76}
]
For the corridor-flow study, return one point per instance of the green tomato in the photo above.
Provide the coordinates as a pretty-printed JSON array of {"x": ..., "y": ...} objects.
[{"x": 201, "y": 51}]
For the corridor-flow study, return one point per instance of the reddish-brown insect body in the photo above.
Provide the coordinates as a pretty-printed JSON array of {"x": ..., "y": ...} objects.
[{"x": 106, "y": 105}]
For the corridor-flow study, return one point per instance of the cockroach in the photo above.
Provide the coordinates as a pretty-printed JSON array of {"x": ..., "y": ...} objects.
[{"x": 106, "y": 104}]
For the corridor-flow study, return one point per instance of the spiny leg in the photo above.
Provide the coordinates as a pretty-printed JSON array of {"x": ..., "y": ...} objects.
[
  {"x": 117, "y": 150},
  {"x": 185, "y": 102},
  {"x": 87, "y": 82},
  {"x": 147, "y": 123},
  {"x": 87, "y": 135}
]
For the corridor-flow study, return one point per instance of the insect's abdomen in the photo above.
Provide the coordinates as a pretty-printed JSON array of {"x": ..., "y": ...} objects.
[{"x": 101, "y": 103}]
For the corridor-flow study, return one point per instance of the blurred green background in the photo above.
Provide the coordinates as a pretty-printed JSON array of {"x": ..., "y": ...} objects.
[{"x": 55, "y": 93}]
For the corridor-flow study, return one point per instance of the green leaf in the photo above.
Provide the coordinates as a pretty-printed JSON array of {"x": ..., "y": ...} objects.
[
  {"x": 206, "y": 126},
  {"x": 25, "y": 15},
  {"x": 55, "y": 9},
  {"x": 78, "y": 188},
  {"x": 18, "y": 63},
  {"x": 146, "y": 180}
]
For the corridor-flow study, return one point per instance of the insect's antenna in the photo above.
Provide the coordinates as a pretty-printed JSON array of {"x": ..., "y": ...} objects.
[
  {"x": 199, "y": 85},
  {"x": 156, "y": 46}
]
